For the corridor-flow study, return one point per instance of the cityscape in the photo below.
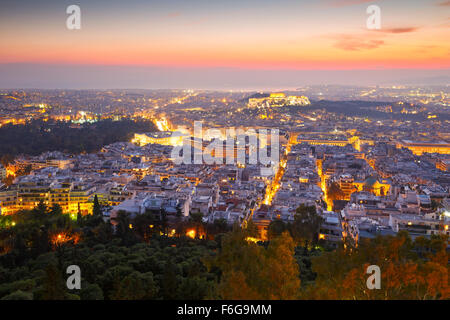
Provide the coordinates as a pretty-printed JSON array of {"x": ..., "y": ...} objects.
[{"x": 296, "y": 190}]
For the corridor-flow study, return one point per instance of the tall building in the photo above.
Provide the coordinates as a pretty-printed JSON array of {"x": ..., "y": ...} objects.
[{"x": 27, "y": 195}]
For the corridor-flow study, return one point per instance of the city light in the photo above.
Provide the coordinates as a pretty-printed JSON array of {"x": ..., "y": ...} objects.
[
  {"x": 252, "y": 239},
  {"x": 191, "y": 233}
]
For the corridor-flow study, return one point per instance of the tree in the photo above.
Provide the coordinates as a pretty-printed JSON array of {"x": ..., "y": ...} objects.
[
  {"x": 164, "y": 222},
  {"x": 233, "y": 286},
  {"x": 281, "y": 271},
  {"x": 136, "y": 286},
  {"x": 179, "y": 223},
  {"x": 19, "y": 295},
  {"x": 34, "y": 138},
  {"x": 240, "y": 263},
  {"x": 79, "y": 217},
  {"x": 196, "y": 221},
  {"x": 53, "y": 284},
  {"x": 252, "y": 229},
  {"x": 306, "y": 225},
  {"x": 217, "y": 227},
  {"x": 56, "y": 210},
  {"x": 124, "y": 228},
  {"x": 276, "y": 228},
  {"x": 251, "y": 272},
  {"x": 41, "y": 209},
  {"x": 97, "y": 210},
  {"x": 194, "y": 288},
  {"x": 341, "y": 274},
  {"x": 169, "y": 282},
  {"x": 91, "y": 292},
  {"x": 144, "y": 225},
  {"x": 119, "y": 266}
]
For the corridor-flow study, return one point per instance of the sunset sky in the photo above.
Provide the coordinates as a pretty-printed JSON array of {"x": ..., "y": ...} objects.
[{"x": 205, "y": 42}]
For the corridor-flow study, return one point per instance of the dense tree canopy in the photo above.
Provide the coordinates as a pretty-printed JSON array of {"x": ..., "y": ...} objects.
[
  {"x": 250, "y": 271},
  {"x": 140, "y": 260},
  {"x": 304, "y": 229},
  {"x": 409, "y": 270},
  {"x": 38, "y": 136}
]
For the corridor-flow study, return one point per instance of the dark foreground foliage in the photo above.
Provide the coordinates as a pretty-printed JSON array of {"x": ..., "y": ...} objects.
[{"x": 144, "y": 260}]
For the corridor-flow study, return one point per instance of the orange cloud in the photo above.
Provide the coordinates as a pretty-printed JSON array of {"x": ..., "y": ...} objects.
[{"x": 357, "y": 43}]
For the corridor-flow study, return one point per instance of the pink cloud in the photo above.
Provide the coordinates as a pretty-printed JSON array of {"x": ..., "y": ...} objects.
[
  {"x": 174, "y": 14},
  {"x": 398, "y": 30}
]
